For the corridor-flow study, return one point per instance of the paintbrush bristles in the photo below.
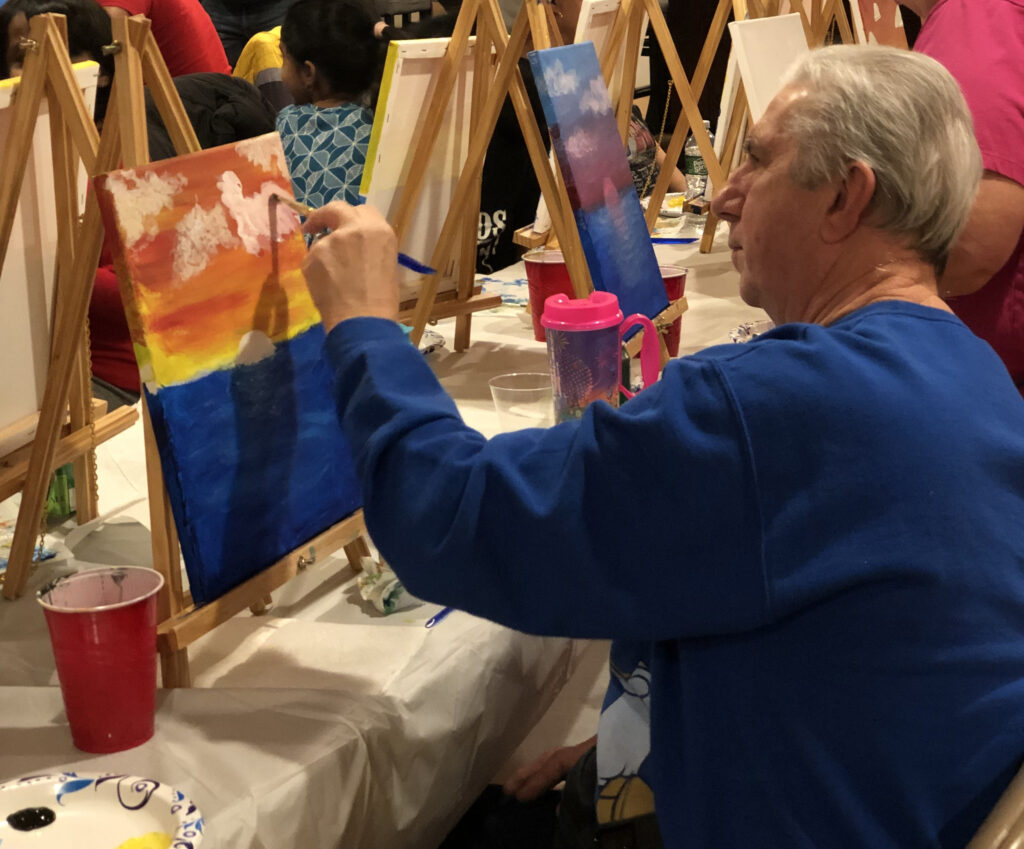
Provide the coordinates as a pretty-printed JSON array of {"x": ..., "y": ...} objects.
[{"x": 300, "y": 208}]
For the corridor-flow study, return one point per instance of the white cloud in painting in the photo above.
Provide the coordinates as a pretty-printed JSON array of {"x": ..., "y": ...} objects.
[
  {"x": 560, "y": 81},
  {"x": 580, "y": 145},
  {"x": 595, "y": 99},
  {"x": 139, "y": 198},
  {"x": 251, "y": 213},
  {"x": 253, "y": 347},
  {"x": 200, "y": 234},
  {"x": 265, "y": 152}
]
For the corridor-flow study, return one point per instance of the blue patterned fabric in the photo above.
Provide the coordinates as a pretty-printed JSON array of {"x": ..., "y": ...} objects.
[{"x": 326, "y": 151}]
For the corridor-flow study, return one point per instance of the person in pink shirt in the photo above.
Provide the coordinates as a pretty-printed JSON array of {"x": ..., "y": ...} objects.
[
  {"x": 183, "y": 32},
  {"x": 981, "y": 43}
]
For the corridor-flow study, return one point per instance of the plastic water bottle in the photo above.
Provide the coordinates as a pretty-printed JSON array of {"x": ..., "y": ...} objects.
[{"x": 693, "y": 165}]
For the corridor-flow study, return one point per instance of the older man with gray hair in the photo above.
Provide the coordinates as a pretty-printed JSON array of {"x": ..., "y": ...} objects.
[{"x": 807, "y": 550}]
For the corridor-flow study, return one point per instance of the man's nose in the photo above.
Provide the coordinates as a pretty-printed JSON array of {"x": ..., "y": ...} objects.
[{"x": 727, "y": 203}]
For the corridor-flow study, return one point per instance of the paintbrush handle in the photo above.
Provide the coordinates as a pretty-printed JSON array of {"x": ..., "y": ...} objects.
[
  {"x": 404, "y": 260},
  {"x": 300, "y": 208}
]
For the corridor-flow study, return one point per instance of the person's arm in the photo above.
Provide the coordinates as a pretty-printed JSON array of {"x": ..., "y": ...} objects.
[
  {"x": 537, "y": 777},
  {"x": 116, "y": 12},
  {"x": 677, "y": 183},
  {"x": 993, "y": 231},
  {"x": 640, "y": 523}
]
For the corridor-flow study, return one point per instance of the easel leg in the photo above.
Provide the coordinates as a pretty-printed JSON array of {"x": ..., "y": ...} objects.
[
  {"x": 174, "y": 669},
  {"x": 258, "y": 608},
  {"x": 86, "y": 506},
  {"x": 355, "y": 551},
  {"x": 65, "y": 178}
]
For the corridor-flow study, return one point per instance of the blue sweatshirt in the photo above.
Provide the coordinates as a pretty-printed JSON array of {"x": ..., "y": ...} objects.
[{"x": 813, "y": 544}]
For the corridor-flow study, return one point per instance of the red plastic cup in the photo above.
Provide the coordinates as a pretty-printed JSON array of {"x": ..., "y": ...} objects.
[
  {"x": 103, "y": 631},
  {"x": 546, "y": 275},
  {"x": 674, "y": 277}
]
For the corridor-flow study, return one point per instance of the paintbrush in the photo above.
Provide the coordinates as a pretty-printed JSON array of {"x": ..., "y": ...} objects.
[{"x": 403, "y": 259}]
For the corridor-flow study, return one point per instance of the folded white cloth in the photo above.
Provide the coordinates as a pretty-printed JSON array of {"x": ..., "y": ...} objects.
[{"x": 380, "y": 586}]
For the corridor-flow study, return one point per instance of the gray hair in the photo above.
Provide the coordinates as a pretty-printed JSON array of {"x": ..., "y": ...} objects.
[{"x": 903, "y": 115}]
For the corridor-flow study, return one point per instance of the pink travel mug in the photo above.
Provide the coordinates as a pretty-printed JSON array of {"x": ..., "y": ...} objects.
[{"x": 584, "y": 337}]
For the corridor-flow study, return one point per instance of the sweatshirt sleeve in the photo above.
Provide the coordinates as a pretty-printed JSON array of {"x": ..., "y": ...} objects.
[{"x": 639, "y": 523}]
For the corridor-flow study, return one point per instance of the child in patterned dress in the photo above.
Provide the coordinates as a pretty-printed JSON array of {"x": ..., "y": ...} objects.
[{"x": 330, "y": 59}]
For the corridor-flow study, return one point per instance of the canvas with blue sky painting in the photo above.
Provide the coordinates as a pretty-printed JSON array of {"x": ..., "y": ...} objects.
[
  {"x": 229, "y": 348},
  {"x": 594, "y": 166}
]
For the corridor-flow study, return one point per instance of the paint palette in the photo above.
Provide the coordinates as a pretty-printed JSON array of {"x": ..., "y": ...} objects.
[{"x": 96, "y": 811}]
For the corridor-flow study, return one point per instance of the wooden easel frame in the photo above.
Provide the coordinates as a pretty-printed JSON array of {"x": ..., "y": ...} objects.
[
  {"x": 502, "y": 79},
  {"x": 67, "y": 395},
  {"x": 124, "y": 141},
  {"x": 535, "y": 21}
]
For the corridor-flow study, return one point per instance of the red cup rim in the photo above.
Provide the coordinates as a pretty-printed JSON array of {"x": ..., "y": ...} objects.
[
  {"x": 547, "y": 256},
  {"x": 88, "y": 572}
]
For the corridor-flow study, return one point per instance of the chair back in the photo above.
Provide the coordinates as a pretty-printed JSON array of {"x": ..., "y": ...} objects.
[{"x": 1003, "y": 828}]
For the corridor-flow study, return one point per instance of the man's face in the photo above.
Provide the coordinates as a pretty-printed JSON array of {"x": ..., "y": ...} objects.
[{"x": 774, "y": 225}]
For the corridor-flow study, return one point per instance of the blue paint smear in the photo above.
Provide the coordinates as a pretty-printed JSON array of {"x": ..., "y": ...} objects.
[{"x": 255, "y": 463}]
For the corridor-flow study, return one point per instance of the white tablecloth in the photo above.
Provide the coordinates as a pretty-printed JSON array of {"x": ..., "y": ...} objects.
[{"x": 325, "y": 723}]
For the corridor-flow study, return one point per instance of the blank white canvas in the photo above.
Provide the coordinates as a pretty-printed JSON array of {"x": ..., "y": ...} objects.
[
  {"x": 27, "y": 277},
  {"x": 765, "y": 48},
  {"x": 595, "y": 24},
  {"x": 398, "y": 128}
]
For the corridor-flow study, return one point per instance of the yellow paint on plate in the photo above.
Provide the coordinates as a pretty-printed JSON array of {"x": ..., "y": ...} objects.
[{"x": 153, "y": 840}]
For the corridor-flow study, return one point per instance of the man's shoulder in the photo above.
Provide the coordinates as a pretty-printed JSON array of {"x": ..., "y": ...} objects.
[{"x": 885, "y": 337}]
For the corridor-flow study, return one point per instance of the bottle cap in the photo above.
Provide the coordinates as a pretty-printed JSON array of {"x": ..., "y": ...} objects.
[{"x": 599, "y": 310}]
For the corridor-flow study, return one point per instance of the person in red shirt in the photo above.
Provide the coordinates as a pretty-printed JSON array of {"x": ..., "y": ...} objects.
[
  {"x": 183, "y": 32},
  {"x": 984, "y": 281}
]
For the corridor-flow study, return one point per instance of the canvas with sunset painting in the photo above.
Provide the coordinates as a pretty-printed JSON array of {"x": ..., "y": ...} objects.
[
  {"x": 229, "y": 346},
  {"x": 593, "y": 163}
]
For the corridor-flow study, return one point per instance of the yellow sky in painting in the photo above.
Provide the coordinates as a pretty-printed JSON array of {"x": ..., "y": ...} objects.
[{"x": 195, "y": 239}]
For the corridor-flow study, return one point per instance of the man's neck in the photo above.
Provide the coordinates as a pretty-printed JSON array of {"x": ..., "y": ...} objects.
[{"x": 863, "y": 275}]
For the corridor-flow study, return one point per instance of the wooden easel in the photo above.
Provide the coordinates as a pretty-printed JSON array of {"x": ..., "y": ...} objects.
[
  {"x": 124, "y": 140},
  {"x": 138, "y": 62},
  {"x": 501, "y": 80},
  {"x": 70, "y": 424},
  {"x": 536, "y": 21}
]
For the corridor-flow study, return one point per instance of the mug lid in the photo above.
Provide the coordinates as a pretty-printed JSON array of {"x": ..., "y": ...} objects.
[{"x": 599, "y": 310}]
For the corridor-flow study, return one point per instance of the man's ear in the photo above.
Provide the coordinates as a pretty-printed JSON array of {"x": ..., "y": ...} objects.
[{"x": 852, "y": 196}]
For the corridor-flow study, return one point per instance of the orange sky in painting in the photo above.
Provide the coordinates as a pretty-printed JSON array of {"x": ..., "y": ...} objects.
[{"x": 192, "y": 321}]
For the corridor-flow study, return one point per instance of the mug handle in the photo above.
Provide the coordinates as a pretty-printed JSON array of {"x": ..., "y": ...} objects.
[{"x": 650, "y": 355}]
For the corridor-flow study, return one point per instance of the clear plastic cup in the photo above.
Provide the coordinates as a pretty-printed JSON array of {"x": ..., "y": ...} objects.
[
  {"x": 102, "y": 625},
  {"x": 523, "y": 399}
]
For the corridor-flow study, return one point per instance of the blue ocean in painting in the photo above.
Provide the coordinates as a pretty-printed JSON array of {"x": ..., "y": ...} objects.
[
  {"x": 259, "y": 451},
  {"x": 623, "y": 266}
]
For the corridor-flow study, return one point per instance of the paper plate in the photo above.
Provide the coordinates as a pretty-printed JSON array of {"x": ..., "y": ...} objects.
[{"x": 96, "y": 811}]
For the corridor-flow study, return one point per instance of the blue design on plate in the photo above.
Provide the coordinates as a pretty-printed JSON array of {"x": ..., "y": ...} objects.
[
  {"x": 131, "y": 793},
  {"x": 72, "y": 787}
]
